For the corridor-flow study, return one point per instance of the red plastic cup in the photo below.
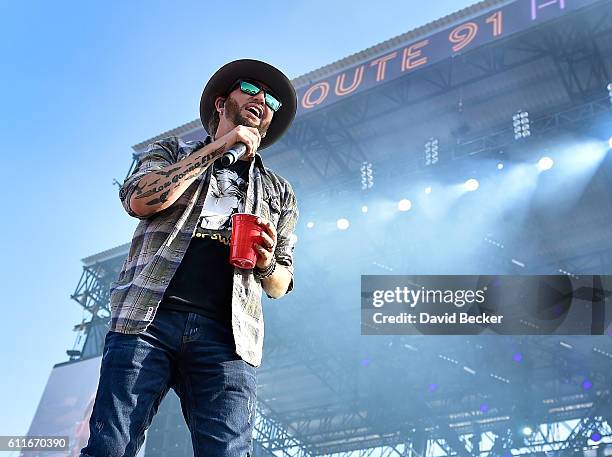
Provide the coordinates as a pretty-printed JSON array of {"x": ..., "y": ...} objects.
[{"x": 245, "y": 232}]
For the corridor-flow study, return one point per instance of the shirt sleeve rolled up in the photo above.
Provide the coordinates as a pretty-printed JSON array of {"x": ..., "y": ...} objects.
[{"x": 156, "y": 156}]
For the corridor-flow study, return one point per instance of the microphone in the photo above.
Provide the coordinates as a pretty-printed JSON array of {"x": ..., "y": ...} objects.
[{"x": 233, "y": 154}]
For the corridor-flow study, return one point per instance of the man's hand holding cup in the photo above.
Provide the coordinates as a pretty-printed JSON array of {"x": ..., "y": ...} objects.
[
  {"x": 265, "y": 250},
  {"x": 252, "y": 244}
]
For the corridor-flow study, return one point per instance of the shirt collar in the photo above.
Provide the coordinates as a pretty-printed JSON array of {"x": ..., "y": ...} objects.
[{"x": 258, "y": 159}]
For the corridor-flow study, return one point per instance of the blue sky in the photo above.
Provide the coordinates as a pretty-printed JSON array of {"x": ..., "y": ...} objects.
[{"x": 82, "y": 83}]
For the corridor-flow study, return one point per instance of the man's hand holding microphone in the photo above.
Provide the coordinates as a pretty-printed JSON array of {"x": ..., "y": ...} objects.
[{"x": 244, "y": 142}]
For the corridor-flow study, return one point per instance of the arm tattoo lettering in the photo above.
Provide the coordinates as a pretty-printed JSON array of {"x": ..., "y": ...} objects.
[{"x": 160, "y": 188}]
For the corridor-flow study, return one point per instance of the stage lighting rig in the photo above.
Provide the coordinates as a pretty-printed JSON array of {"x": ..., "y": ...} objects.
[
  {"x": 520, "y": 122},
  {"x": 367, "y": 176},
  {"x": 431, "y": 151}
]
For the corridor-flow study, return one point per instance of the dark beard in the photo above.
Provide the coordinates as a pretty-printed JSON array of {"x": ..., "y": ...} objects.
[{"x": 232, "y": 112}]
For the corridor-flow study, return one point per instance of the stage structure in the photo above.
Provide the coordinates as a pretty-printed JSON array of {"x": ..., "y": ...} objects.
[{"x": 436, "y": 103}]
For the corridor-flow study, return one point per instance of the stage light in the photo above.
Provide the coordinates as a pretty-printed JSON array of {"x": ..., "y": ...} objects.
[
  {"x": 367, "y": 176},
  {"x": 586, "y": 384},
  {"x": 500, "y": 166},
  {"x": 545, "y": 163},
  {"x": 596, "y": 436},
  {"x": 428, "y": 190},
  {"x": 432, "y": 387},
  {"x": 527, "y": 431},
  {"x": 610, "y": 142},
  {"x": 471, "y": 185},
  {"x": 364, "y": 209},
  {"x": 517, "y": 357},
  {"x": 521, "y": 124},
  {"x": 431, "y": 151},
  {"x": 342, "y": 224},
  {"x": 610, "y": 92},
  {"x": 309, "y": 224},
  {"x": 404, "y": 205},
  {"x": 484, "y": 408}
]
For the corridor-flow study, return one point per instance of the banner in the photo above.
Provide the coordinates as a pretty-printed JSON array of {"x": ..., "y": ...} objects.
[{"x": 490, "y": 26}]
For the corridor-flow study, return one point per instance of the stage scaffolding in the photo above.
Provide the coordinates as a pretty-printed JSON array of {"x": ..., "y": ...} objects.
[{"x": 353, "y": 398}]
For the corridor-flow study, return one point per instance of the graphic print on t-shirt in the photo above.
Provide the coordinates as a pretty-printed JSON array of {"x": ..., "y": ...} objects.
[
  {"x": 226, "y": 196},
  {"x": 203, "y": 282}
]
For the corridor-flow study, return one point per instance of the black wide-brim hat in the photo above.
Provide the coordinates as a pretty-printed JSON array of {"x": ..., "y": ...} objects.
[{"x": 279, "y": 84}]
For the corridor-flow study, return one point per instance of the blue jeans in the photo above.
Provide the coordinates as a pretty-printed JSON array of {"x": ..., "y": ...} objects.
[{"x": 195, "y": 356}]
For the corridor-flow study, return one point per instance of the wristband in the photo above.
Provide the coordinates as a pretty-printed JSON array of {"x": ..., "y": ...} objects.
[{"x": 260, "y": 274}]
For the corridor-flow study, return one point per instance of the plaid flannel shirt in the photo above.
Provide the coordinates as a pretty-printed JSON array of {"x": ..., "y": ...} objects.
[{"x": 161, "y": 240}]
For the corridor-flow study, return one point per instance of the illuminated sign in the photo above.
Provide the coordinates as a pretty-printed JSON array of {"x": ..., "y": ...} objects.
[{"x": 490, "y": 26}]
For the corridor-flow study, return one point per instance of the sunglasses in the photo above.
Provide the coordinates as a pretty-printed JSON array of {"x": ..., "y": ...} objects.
[{"x": 252, "y": 88}]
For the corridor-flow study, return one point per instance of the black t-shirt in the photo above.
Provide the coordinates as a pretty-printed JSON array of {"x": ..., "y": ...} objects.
[{"x": 203, "y": 281}]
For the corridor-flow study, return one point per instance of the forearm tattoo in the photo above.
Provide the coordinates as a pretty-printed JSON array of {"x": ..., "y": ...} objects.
[{"x": 161, "y": 187}]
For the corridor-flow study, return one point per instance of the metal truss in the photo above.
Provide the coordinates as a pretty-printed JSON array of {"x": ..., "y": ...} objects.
[
  {"x": 272, "y": 438},
  {"x": 547, "y": 438},
  {"x": 573, "y": 49},
  {"x": 570, "y": 119},
  {"x": 92, "y": 291},
  {"x": 597, "y": 262},
  {"x": 550, "y": 437},
  {"x": 331, "y": 370},
  {"x": 579, "y": 80},
  {"x": 390, "y": 450},
  {"x": 337, "y": 432},
  {"x": 312, "y": 425},
  {"x": 594, "y": 262}
]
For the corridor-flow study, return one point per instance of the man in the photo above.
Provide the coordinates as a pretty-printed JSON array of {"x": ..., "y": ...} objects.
[{"x": 181, "y": 316}]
